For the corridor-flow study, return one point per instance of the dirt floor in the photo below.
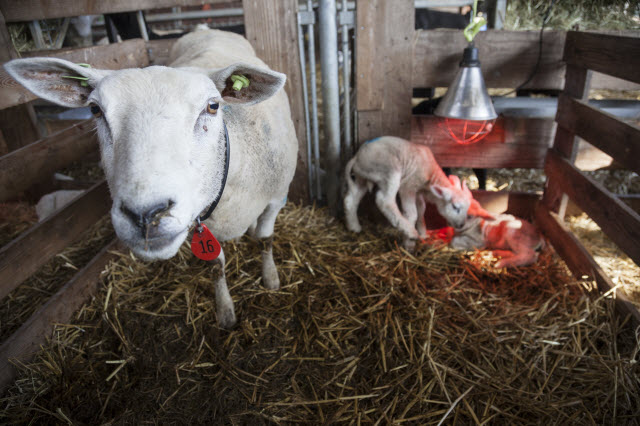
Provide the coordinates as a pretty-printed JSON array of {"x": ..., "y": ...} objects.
[{"x": 361, "y": 332}]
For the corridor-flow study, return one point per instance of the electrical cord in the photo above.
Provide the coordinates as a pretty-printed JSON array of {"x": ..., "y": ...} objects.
[{"x": 545, "y": 19}]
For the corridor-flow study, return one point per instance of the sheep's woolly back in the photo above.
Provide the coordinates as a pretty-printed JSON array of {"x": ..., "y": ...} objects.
[{"x": 207, "y": 48}]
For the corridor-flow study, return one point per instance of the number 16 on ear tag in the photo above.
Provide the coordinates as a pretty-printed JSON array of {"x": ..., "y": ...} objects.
[{"x": 204, "y": 245}]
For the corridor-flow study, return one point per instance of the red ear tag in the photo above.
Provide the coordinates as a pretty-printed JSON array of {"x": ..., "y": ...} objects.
[{"x": 204, "y": 245}]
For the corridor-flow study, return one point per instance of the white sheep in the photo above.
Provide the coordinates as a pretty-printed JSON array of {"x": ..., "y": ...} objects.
[
  {"x": 163, "y": 147},
  {"x": 398, "y": 167},
  {"x": 515, "y": 240}
]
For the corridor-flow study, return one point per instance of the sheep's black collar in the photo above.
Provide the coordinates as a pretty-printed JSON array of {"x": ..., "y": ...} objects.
[{"x": 224, "y": 179}]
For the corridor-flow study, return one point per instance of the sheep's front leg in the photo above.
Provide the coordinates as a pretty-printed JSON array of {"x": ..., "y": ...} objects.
[
  {"x": 386, "y": 202},
  {"x": 357, "y": 189},
  {"x": 264, "y": 232},
  {"x": 410, "y": 211},
  {"x": 224, "y": 304},
  {"x": 521, "y": 258},
  {"x": 421, "y": 225}
]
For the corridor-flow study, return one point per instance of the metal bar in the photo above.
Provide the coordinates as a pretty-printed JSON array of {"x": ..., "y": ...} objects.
[
  {"x": 314, "y": 103},
  {"x": 62, "y": 33},
  {"x": 330, "y": 98},
  {"x": 305, "y": 99},
  {"x": 142, "y": 26},
  {"x": 195, "y": 14},
  {"x": 346, "y": 74},
  {"x": 36, "y": 34}
]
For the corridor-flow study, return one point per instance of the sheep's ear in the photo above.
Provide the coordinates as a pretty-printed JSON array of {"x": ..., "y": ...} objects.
[
  {"x": 56, "y": 80},
  {"x": 441, "y": 192},
  {"x": 262, "y": 83},
  {"x": 455, "y": 181}
]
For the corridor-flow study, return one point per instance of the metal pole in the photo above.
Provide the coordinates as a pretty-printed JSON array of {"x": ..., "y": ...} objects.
[
  {"x": 346, "y": 74},
  {"x": 305, "y": 98},
  {"x": 330, "y": 98},
  {"x": 142, "y": 25},
  {"x": 314, "y": 102}
]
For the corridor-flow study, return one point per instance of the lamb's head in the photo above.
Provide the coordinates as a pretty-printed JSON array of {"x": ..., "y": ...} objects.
[
  {"x": 452, "y": 201},
  {"x": 161, "y": 138}
]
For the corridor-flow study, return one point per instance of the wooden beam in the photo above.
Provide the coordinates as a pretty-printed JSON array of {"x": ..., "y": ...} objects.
[
  {"x": 128, "y": 54},
  {"x": 23, "y": 256},
  {"x": 272, "y": 29},
  {"x": 513, "y": 142},
  {"x": 604, "y": 131},
  {"x": 29, "y": 10},
  {"x": 616, "y": 55},
  {"x": 615, "y": 218},
  {"x": 36, "y": 162},
  {"x": 579, "y": 260},
  {"x": 369, "y": 39},
  {"x": 60, "y": 308},
  {"x": 507, "y": 59}
]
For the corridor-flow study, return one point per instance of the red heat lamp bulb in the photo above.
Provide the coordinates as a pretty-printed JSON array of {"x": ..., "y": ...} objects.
[{"x": 465, "y": 132}]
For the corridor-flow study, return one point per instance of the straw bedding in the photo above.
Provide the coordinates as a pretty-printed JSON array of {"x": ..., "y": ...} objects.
[{"x": 360, "y": 333}]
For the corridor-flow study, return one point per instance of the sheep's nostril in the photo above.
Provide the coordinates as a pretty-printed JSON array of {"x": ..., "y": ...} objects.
[{"x": 146, "y": 218}]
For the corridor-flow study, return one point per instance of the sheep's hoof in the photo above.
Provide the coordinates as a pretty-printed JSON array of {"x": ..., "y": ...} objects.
[
  {"x": 226, "y": 317},
  {"x": 270, "y": 279},
  {"x": 354, "y": 227},
  {"x": 409, "y": 244}
]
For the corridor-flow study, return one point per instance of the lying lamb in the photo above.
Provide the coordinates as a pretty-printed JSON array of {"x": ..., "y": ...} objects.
[
  {"x": 397, "y": 166},
  {"x": 515, "y": 240},
  {"x": 165, "y": 147}
]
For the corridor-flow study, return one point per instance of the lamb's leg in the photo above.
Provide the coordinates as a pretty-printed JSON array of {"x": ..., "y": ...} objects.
[
  {"x": 386, "y": 202},
  {"x": 264, "y": 232},
  {"x": 521, "y": 258},
  {"x": 355, "y": 192},
  {"x": 224, "y": 304},
  {"x": 421, "y": 225},
  {"x": 409, "y": 209}
]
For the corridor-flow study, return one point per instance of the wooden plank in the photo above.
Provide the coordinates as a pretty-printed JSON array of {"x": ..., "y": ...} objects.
[
  {"x": 615, "y": 218},
  {"x": 616, "y": 55},
  {"x": 579, "y": 260},
  {"x": 369, "y": 38},
  {"x": 23, "y": 256},
  {"x": 604, "y": 131},
  {"x": 128, "y": 54},
  {"x": 37, "y": 162},
  {"x": 272, "y": 29},
  {"x": 520, "y": 204},
  {"x": 507, "y": 59},
  {"x": 60, "y": 308},
  {"x": 369, "y": 126},
  {"x": 18, "y": 126},
  {"x": 28, "y": 10},
  {"x": 513, "y": 142}
]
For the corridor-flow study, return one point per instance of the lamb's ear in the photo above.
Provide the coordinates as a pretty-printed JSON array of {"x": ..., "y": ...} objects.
[
  {"x": 441, "y": 192},
  {"x": 263, "y": 83},
  {"x": 49, "y": 78},
  {"x": 455, "y": 181}
]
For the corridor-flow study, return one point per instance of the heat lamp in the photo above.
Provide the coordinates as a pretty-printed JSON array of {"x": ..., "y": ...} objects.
[{"x": 466, "y": 111}]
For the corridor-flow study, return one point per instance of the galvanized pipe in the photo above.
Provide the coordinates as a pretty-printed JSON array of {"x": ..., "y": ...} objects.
[
  {"x": 346, "y": 74},
  {"x": 142, "y": 25},
  {"x": 314, "y": 103},
  {"x": 305, "y": 100},
  {"x": 330, "y": 98}
]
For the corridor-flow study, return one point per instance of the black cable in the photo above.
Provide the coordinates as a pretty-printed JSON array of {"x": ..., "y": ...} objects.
[{"x": 545, "y": 19}]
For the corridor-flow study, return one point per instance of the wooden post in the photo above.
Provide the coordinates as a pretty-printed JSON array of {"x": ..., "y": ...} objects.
[
  {"x": 384, "y": 57},
  {"x": 272, "y": 29},
  {"x": 577, "y": 84},
  {"x": 18, "y": 124}
]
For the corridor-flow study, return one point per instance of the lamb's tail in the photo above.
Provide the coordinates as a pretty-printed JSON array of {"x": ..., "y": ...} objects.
[{"x": 348, "y": 178}]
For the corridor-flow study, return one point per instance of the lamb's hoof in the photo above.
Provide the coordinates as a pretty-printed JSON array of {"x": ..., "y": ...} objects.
[
  {"x": 409, "y": 244},
  {"x": 354, "y": 228},
  {"x": 270, "y": 279},
  {"x": 226, "y": 317}
]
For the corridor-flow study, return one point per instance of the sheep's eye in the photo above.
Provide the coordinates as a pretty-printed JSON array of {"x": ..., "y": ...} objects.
[
  {"x": 456, "y": 208},
  {"x": 212, "y": 107},
  {"x": 95, "y": 110}
]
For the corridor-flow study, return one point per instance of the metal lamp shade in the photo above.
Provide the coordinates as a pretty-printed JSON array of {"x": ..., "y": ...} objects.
[{"x": 467, "y": 97}]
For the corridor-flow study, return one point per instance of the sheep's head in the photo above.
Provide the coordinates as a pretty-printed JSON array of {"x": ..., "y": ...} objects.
[
  {"x": 161, "y": 137},
  {"x": 452, "y": 201}
]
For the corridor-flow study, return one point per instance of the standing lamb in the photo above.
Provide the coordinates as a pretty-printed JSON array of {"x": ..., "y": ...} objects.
[
  {"x": 515, "y": 240},
  {"x": 397, "y": 166},
  {"x": 164, "y": 146}
]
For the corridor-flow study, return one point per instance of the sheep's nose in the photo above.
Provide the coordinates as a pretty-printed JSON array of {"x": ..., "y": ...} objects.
[{"x": 143, "y": 219}]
